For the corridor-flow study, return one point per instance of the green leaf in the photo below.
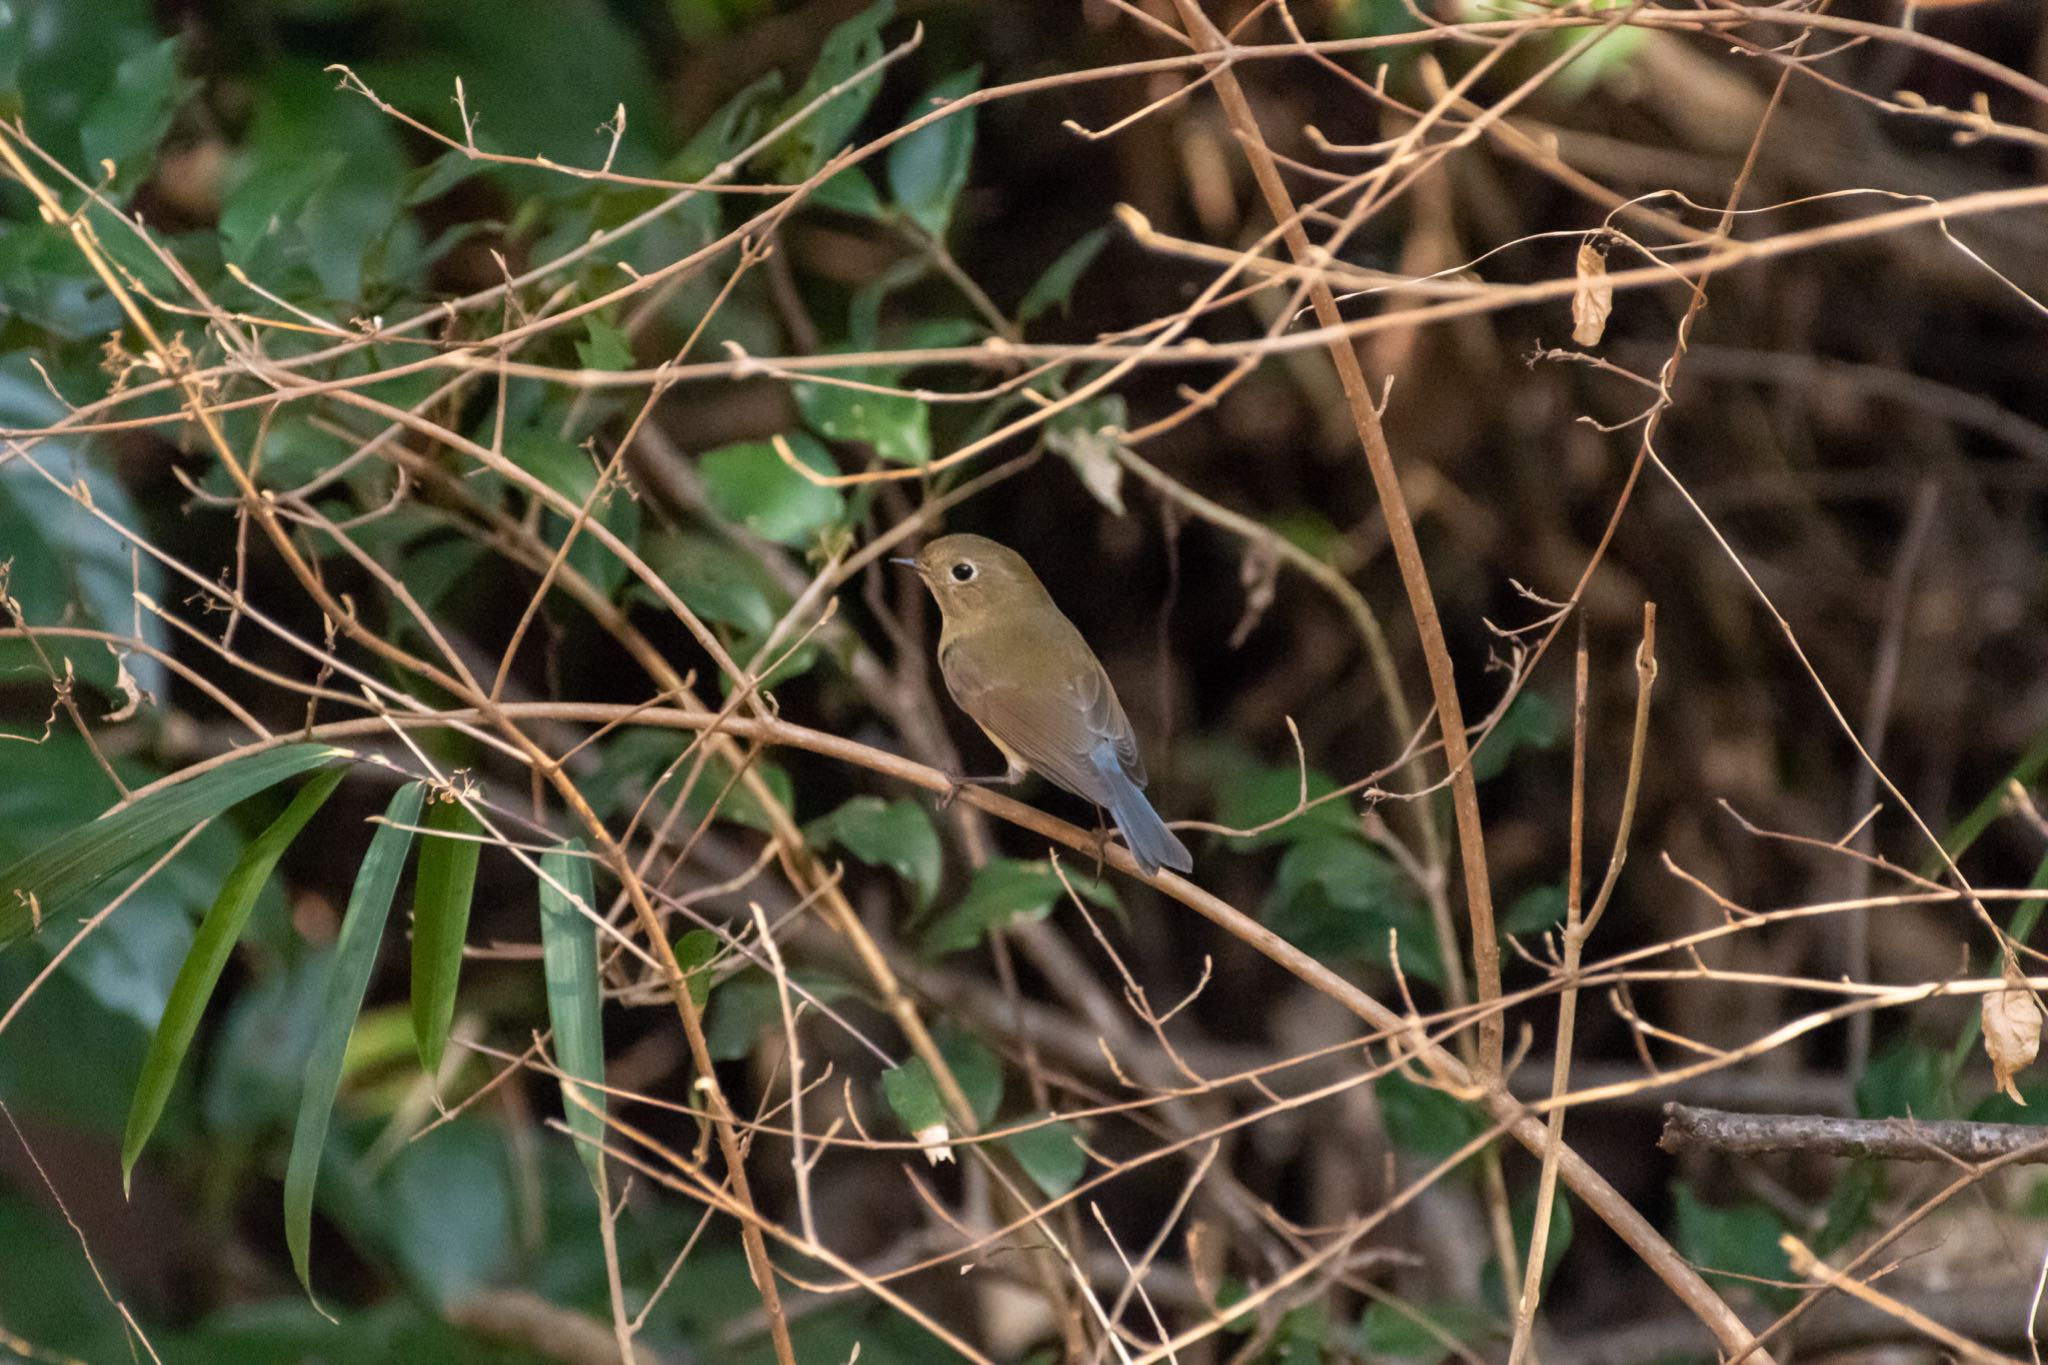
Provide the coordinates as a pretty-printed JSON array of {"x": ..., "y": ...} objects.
[
  {"x": 607, "y": 348},
  {"x": 568, "y": 940},
  {"x": 737, "y": 123},
  {"x": 1421, "y": 1120},
  {"x": 749, "y": 1004},
  {"x": 1522, "y": 1217},
  {"x": 210, "y": 948},
  {"x": 1534, "y": 911},
  {"x": 132, "y": 117},
  {"x": 447, "y": 1202},
  {"x": 894, "y": 834},
  {"x": 854, "y": 44},
  {"x": 1089, "y": 436},
  {"x": 1387, "y": 1330},
  {"x": 1741, "y": 1239},
  {"x": 749, "y": 484},
  {"x": 1051, "y": 1155},
  {"x": 1909, "y": 1079},
  {"x": 928, "y": 169},
  {"x": 1335, "y": 897},
  {"x": 1530, "y": 721},
  {"x": 1055, "y": 288},
  {"x": 1849, "y": 1204},
  {"x": 896, "y": 426},
  {"x": 2027, "y": 771},
  {"x": 850, "y": 191},
  {"x": 977, "y": 1070},
  {"x": 572, "y": 472},
  {"x": 355, "y": 955},
  {"x": 694, "y": 952},
  {"x": 68, "y": 565},
  {"x": 717, "y": 580},
  {"x": 1004, "y": 892},
  {"x": 1258, "y": 796},
  {"x": 441, "y": 896},
  {"x": 914, "y": 1096},
  {"x": 737, "y": 803},
  {"x": 913, "y": 1092}
]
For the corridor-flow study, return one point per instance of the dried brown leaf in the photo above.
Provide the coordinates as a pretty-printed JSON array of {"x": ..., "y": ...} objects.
[
  {"x": 1593, "y": 300},
  {"x": 2012, "y": 1032}
]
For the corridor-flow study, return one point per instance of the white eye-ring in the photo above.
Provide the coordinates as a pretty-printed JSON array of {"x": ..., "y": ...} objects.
[{"x": 963, "y": 572}]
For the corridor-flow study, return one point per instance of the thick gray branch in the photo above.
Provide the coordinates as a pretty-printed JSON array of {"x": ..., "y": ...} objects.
[{"x": 1719, "y": 1130}]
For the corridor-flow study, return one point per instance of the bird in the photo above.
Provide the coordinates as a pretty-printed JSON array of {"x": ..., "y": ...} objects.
[{"x": 1021, "y": 670}]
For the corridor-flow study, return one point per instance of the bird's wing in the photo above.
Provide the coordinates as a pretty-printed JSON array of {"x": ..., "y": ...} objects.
[{"x": 1062, "y": 729}]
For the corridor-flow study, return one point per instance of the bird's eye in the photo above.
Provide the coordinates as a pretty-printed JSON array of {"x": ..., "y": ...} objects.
[{"x": 963, "y": 572}]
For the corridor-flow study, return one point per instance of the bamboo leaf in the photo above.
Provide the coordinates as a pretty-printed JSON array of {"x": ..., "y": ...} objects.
[
  {"x": 355, "y": 953},
  {"x": 51, "y": 881},
  {"x": 441, "y": 899},
  {"x": 209, "y": 954},
  {"x": 568, "y": 939}
]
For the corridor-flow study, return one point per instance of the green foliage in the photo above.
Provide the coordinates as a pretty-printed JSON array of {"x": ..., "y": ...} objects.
[
  {"x": 61, "y": 67},
  {"x": 896, "y": 426},
  {"x": 215, "y": 940},
  {"x": 850, "y": 48},
  {"x": 1089, "y": 437},
  {"x": 694, "y": 952},
  {"x": 913, "y": 1096},
  {"x": 894, "y": 834},
  {"x": 66, "y": 562},
  {"x": 1258, "y": 796},
  {"x": 749, "y": 484},
  {"x": 1535, "y": 911},
  {"x": 1908, "y": 1079},
  {"x": 568, "y": 938},
  {"x": 928, "y": 169},
  {"x": 447, "y": 1202},
  {"x": 1965, "y": 832},
  {"x": 749, "y": 1005},
  {"x": 129, "y": 119},
  {"x": 604, "y": 346},
  {"x": 573, "y": 472},
  {"x": 1338, "y": 898},
  {"x": 1421, "y": 1121},
  {"x": 355, "y": 954},
  {"x": 1529, "y": 722},
  {"x": 1051, "y": 1155},
  {"x": 1404, "y": 1332},
  {"x": 716, "y": 579},
  {"x": 1850, "y": 1204},
  {"x": 976, "y": 1068},
  {"x": 1522, "y": 1217},
  {"x": 313, "y": 209},
  {"x": 1739, "y": 1240},
  {"x": 48, "y": 883},
  {"x": 1055, "y": 288},
  {"x": 1004, "y": 892},
  {"x": 442, "y": 891}
]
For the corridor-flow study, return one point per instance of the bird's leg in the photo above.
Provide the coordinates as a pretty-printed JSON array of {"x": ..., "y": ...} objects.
[
  {"x": 1101, "y": 842},
  {"x": 955, "y": 781}
]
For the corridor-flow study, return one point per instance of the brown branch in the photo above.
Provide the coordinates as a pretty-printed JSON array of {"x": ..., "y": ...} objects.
[{"x": 1687, "y": 1128}]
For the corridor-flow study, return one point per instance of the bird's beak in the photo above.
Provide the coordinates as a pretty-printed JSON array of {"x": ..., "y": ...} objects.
[{"x": 907, "y": 563}]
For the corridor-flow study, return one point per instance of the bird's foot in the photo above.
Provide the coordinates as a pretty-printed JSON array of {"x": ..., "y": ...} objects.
[{"x": 955, "y": 781}]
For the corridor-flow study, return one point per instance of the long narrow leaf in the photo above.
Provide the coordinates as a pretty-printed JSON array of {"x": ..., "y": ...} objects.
[
  {"x": 49, "y": 882},
  {"x": 441, "y": 895},
  {"x": 209, "y": 954},
  {"x": 568, "y": 940},
  {"x": 355, "y": 953}
]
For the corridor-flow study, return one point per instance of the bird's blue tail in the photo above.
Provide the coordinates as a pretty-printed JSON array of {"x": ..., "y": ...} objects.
[{"x": 1152, "y": 843}]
